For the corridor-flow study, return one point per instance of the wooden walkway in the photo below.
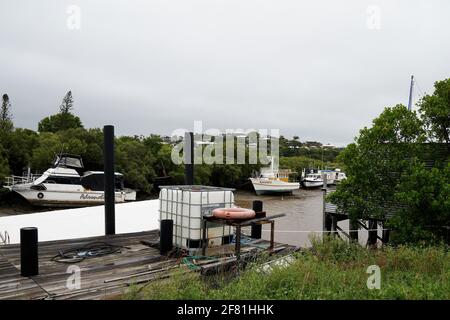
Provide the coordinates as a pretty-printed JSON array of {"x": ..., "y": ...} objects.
[{"x": 103, "y": 277}]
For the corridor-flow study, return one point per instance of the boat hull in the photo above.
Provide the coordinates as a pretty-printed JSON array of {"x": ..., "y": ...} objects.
[
  {"x": 52, "y": 198},
  {"x": 273, "y": 186},
  {"x": 311, "y": 183}
]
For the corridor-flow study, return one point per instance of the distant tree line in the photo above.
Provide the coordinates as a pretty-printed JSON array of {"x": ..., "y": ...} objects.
[{"x": 144, "y": 161}]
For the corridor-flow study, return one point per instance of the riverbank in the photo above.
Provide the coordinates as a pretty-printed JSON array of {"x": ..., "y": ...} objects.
[{"x": 330, "y": 270}]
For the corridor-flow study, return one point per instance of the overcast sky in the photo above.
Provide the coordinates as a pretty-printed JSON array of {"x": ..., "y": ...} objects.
[{"x": 317, "y": 69}]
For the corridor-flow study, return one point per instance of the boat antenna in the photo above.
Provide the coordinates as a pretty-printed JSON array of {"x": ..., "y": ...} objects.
[{"x": 410, "y": 92}]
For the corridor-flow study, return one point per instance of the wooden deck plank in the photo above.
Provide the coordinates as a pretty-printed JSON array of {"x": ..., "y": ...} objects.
[
  {"x": 14, "y": 286},
  {"x": 101, "y": 277}
]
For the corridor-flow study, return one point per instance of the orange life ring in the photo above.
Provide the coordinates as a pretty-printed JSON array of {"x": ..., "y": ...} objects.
[{"x": 233, "y": 213}]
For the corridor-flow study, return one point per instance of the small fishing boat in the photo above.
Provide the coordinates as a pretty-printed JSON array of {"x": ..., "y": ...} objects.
[
  {"x": 66, "y": 184},
  {"x": 274, "y": 181},
  {"x": 329, "y": 174},
  {"x": 312, "y": 180},
  {"x": 339, "y": 176},
  {"x": 315, "y": 178}
]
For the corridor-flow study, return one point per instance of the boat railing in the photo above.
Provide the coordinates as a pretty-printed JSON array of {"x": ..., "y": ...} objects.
[
  {"x": 14, "y": 180},
  {"x": 4, "y": 238}
]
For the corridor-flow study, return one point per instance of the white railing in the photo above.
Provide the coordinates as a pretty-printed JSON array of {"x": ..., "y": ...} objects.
[
  {"x": 13, "y": 180},
  {"x": 4, "y": 238}
]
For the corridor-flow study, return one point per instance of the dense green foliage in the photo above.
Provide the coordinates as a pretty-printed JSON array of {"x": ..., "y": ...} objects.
[
  {"x": 63, "y": 120},
  {"x": 4, "y": 167},
  {"x": 399, "y": 167},
  {"x": 298, "y": 163},
  {"x": 332, "y": 269},
  {"x": 309, "y": 149},
  {"x": 435, "y": 110},
  {"x": 5, "y": 114},
  {"x": 59, "y": 122}
]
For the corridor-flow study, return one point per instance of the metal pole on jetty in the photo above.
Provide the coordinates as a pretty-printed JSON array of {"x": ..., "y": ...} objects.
[
  {"x": 109, "y": 182},
  {"x": 326, "y": 219},
  {"x": 29, "y": 261},
  {"x": 256, "y": 227},
  {"x": 166, "y": 236},
  {"x": 373, "y": 230},
  {"x": 188, "y": 158},
  {"x": 353, "y": 226}
]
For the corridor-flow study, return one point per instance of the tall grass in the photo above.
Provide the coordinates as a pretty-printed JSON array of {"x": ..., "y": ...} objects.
[{"x": 332, "y": 269}]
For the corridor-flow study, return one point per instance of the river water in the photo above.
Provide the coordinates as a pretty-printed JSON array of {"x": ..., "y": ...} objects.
[
  {"x": 303, "y": 211},
  {"x": 303, "y": 218}
]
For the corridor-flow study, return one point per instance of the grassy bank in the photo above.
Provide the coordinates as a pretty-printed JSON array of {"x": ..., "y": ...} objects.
[{"x": 331, "y": 270}]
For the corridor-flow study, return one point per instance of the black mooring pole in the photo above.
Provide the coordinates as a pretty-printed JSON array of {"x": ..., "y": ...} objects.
[
  {"x": 257, "y": 228},
  {"x": 373, "y": 230},
  {"x": 188, "y": 158},
  {"x": 29, "y": 263},
  {"x": 108, "y": 156},
  {"x": 166, "y": 236}
]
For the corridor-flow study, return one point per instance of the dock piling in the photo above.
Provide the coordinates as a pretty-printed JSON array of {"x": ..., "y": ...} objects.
[
  {"x": 29, "y": 260},
  {"x": 334, "y": 226},
  {"x": 109, "y": 187},
  {"x": 385, "y": 234},
  {"x": 257, "y": 206},
  {"x": 166, "y": 236},
  {"x": 188, "y": 158},
  {"x": 353, "y": 226},
  {"x": 326, "y": 218},
  {"x": 373, "y": 228}
]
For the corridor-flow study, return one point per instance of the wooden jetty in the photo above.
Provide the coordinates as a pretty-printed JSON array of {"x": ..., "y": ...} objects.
[
  {"x": 108, "y": 276},
  {"x": 332, "y": 215}
]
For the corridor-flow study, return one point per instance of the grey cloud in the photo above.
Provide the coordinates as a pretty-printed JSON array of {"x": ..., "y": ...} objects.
[{"x": 309, "y": 68}]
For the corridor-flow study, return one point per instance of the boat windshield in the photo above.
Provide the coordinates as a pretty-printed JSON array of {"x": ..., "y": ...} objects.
[{"x": 68, "y": 161}]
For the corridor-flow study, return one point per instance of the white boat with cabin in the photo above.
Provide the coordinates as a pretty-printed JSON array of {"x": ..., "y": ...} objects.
[
  {"x": 274, "y": 181},
  {"x": 66, "y": 184},
  {"x": 312, "y": 179},
  {"x": 339, "y": 176}
]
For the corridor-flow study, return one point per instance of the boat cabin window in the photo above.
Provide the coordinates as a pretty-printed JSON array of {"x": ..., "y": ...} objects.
[
  {"x": 62, "y": 180},
  {"x": 96, "y": 181}
]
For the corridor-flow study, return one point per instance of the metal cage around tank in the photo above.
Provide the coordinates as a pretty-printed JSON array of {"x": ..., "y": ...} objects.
[{"x": 187, "y": 205}]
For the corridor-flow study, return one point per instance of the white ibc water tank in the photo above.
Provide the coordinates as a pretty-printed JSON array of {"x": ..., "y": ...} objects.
[{"x": 187, "y": 205}]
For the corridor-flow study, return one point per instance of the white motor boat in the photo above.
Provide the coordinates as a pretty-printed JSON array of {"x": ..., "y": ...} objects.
[
  {"x": 274, "y": 181},
  {"x": 329, "y": 174},
  {"x": 312, "y": 180},
  {"x": 316, "y": 179},
  {"x": 339, "y": 176},
  {"x": 66, "y": 185}
]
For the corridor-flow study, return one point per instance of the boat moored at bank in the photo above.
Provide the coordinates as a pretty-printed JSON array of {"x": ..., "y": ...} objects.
[
  {"x": 315, "y": 178},
  {"x": 66, "y": 184},
  {"x": 271, "y": 180}
]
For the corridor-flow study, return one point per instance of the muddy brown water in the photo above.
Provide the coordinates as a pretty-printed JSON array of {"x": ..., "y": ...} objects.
[
  {"x": 303, "y": 218},
  {"x": 303, "y": 211}
]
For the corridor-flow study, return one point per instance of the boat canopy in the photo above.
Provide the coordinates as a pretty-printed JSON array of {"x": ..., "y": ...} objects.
[{"x": 68, "y": 161}]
